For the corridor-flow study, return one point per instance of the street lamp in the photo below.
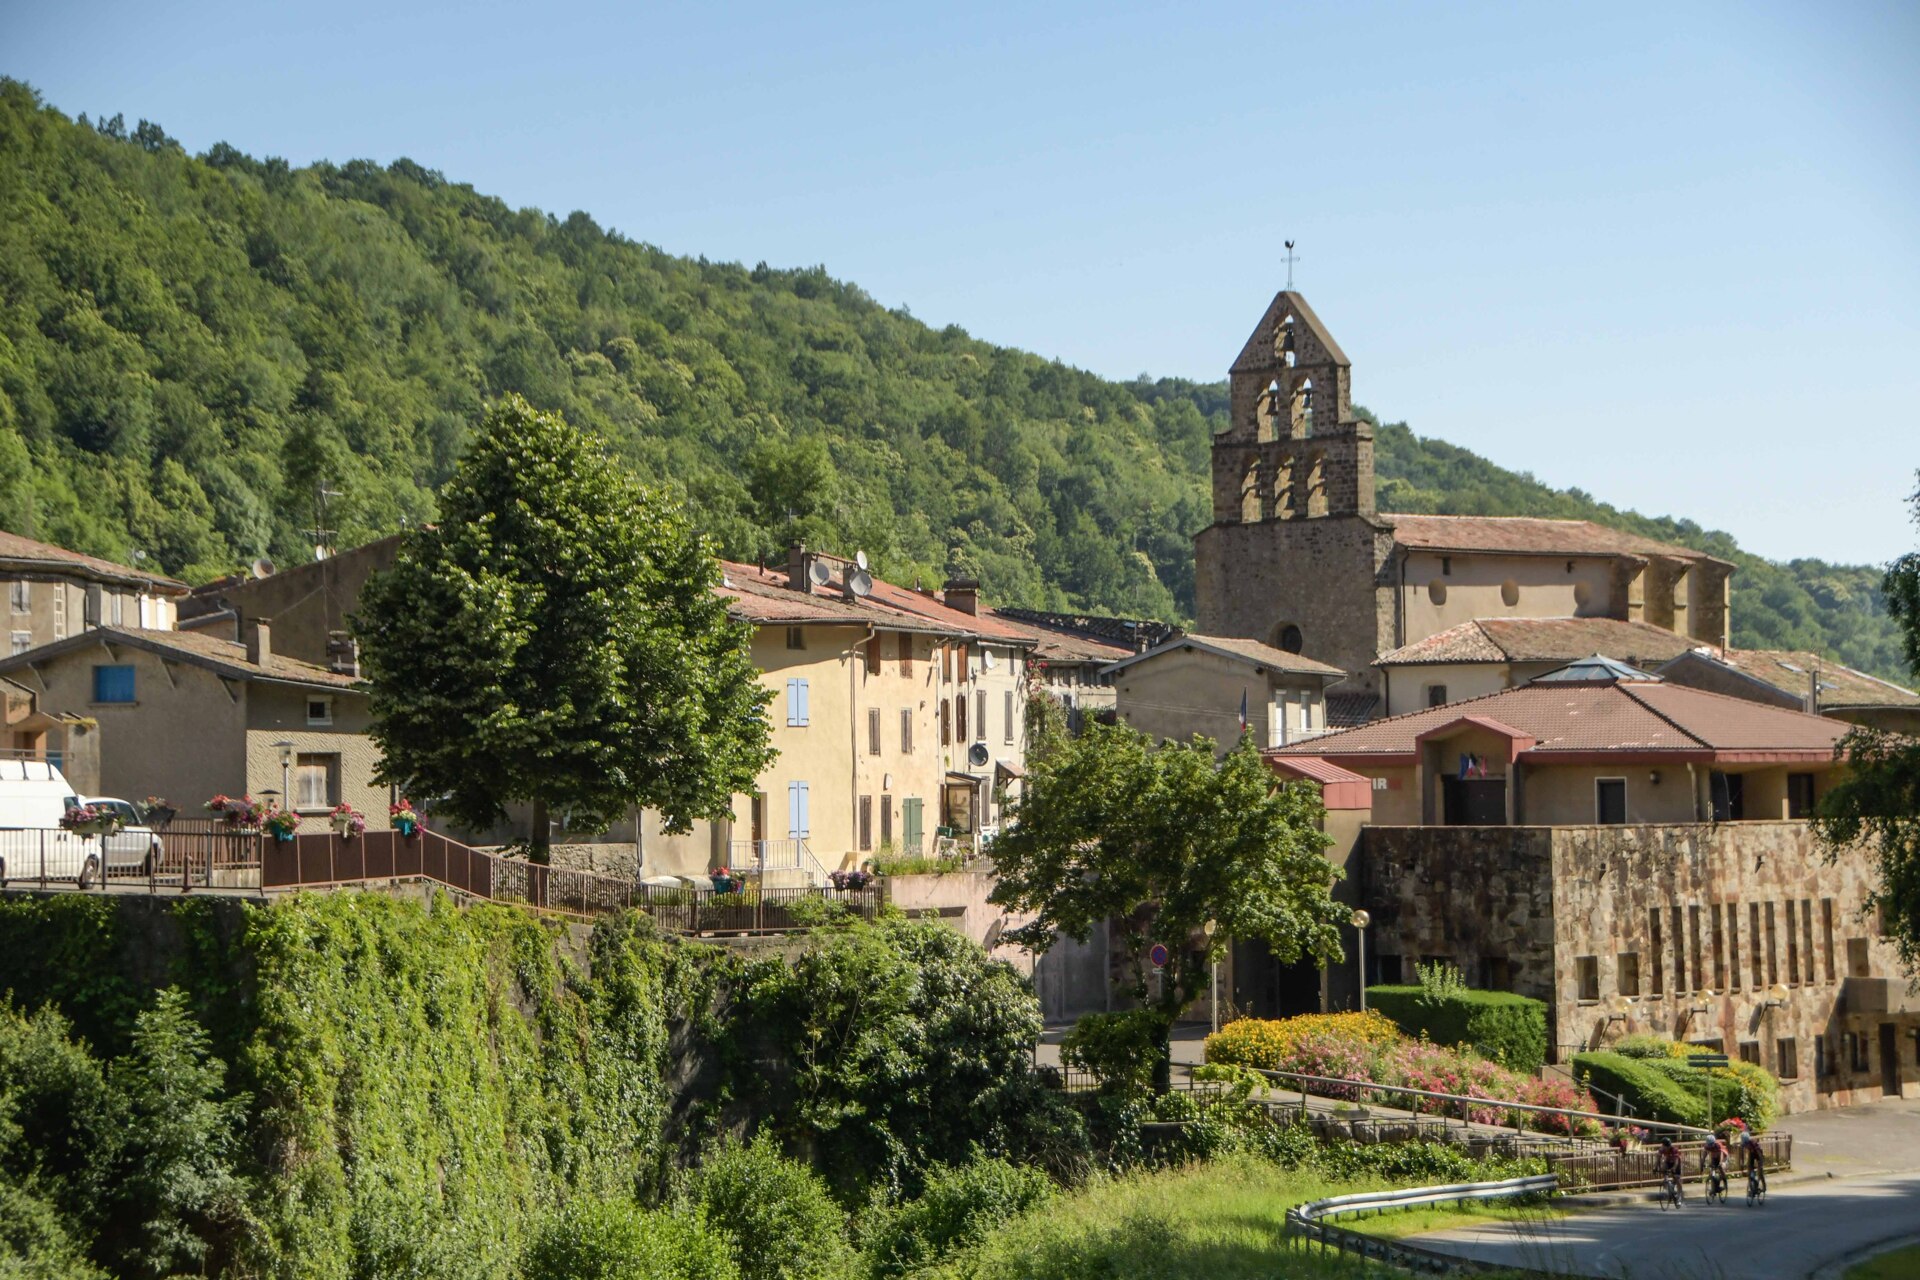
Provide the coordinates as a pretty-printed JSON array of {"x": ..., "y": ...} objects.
[
  {"x": 1776, "y": 996},
  {"x": 1360, "y": 922},
  {"x": 1213, "y": 982},
  {"x": 286, "y": 772}
]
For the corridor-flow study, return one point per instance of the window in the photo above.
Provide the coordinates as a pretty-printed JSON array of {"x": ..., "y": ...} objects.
[
  {"x": 1496, "y": 973},
  {"x": 1857, "y": 1059},
  {"x": 113, "y": 684},
  {"x": 119, "y": 611},
  {"x": 316, "y": 782},
  {"x": 1729, "y": 795},
  {"x": 1786, "y": 1055},
  {"x": 1510, "y": 593},
  {"x": 1306, "y": 713},
  {"x": 1586, "y": 971},
  {"x": 1679, "y": 953},
  {"x": 1699, "y": 970},
  {"x": 866, "y": 824},
  {"x": 1826, "y": 931},
  {"x": 910, "y": 820},
  {"x": 1806, "y": 940},
  {"x": 873, "y": 655},
  {"x": 799, "y": 811},
  {"x": 796, "y": 637},
  {"x": 1610, "y": 801},
  {"x": 1857, "y": 961},
  {"x": 960, "y": 717},
  {"x": 1009, "y": 710},
  {"x": 319, "y": 710},
  {"x": 873, "y": 731},
  {"x": 59, "y": 613},
  {"x": 1290, "y": 638},
  {"x": 1822, "y": 1064},
  {"x": 980, "y": 715},
  {"x": 1436, "y": 695},
  {"x": 906, "y": 653},
  {"x": 1627, "y": 968},
  {"x": 1773, "y": 949},
  {"x": 1446, "y": 565},
  {"x": 1719, "y": 949},
  {"x": 1750, "y": 1051},
  {"x": 22, "y": 641},
  {"x": 1799, "y": 795},
  {"x": 886, "y": 822},
  {"x": 946, "y": 728},
  {"x": 1653, "y": 949},
  {"x": 1753, "y": 932},
  {"x": 22, "y": 593},
  {"x": 797, "y": 703},
  {"x": 906, "y": 730},
  {"x": 1793, "y": 949},
  {"x": 1733, "y": 946}
]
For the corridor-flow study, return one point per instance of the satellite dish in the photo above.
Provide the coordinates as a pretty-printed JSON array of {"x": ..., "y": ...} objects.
[
  {"x": 977, "y": 754},
  {"x": 821, "y": 572},
  {"x": 263, "y": 568},
  {"x": 860, "y": 558},
  {"x": 860, "y": 583},
  {"x": 986, "y": 659}
]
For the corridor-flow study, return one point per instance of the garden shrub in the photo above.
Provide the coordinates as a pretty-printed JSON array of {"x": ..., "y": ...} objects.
[
  {"x": 1265, "y": 1043},
  {"x": 1656, "y": 1079},
  {"x": 1510, "y": 1029},
  {"x": 615, "y": 1239},
  {"x": 960, "y": 1206},
  {"x": 780, "y": 1218},
  {"x": 1121, "y": 1050}
]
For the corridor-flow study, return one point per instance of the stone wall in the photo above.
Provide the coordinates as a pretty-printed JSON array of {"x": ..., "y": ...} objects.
[{"x": 1692, "y": 924}]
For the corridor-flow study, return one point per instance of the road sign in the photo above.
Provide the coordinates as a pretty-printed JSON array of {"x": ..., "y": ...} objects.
[
  {"x": 1707, "y": 1060},
  {"x": 1158, "y": 955}
]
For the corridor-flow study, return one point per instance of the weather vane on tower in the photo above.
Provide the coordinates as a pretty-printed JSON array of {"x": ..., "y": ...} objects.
[{"x": 1290, "y": 259}]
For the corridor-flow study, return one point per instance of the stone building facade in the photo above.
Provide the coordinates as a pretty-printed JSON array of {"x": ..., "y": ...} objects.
[
  {"x": 1739, "y": 935},
  {"x": 1299, "y": 557}
]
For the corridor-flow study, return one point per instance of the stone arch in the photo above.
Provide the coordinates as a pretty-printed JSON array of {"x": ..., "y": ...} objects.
[
  {"x": 1252, "y": 501},
  {"x": 1303, "y": 405},
  {"x": 1283, "y": 342},
  {"x": 1437, "y": 591},
  {"x": 1287, "y": 638},
  {"x": 1266, "y": 413},
  {"x": 1510, "y": 593},
  {"x": 1283, "y": 495},
  {"x": 1316, "y": 486}
]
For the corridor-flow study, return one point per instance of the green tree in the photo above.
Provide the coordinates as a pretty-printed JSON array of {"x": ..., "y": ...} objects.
[
  {"x": 1877, "y": 800},
  {"x": 618, "y": 1240},
  {"x": 783, "y": 1223},
  {"x": 1165, "y": 842},
  {"x": 556, "y": 640}
]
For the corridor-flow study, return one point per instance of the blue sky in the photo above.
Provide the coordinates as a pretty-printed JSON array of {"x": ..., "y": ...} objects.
[{"x": 1667, "y": 253}]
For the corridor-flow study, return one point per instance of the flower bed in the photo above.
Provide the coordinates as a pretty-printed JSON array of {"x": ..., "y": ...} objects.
[{"x": 1365, "y": 1046}]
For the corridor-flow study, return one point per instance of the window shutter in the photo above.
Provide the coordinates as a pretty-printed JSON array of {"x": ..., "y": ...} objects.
[
  {"x": 906, "y": 730},
  {"x": 960, "y": 718},
  {"x": 873, "y": 655},
  {"x": 873, "y": 731},
  {"x": 797, "y": 702},
  {"x": 1009, "y": 725},
  {"x": 906, "y": 653},
  {"x": 797, "y": 811},
  {"x": 980, "y": 715}
]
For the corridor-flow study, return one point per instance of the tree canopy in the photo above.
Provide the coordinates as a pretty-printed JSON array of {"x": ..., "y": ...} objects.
[
  {"x": 190, "y": 345},
  {"x": 1878, "y": 797},
  {"x": 1165, "y": 840},
  {"x": 556, "y": 640}
]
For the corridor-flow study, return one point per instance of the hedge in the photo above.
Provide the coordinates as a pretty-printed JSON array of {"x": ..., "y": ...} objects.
[
  {"x": 1660, "y": 1082},
  {"x": 1510, "y": 1029},
  {"x": 1651, "y": 1091}
]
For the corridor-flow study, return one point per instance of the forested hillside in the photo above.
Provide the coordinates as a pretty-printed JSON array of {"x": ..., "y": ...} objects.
[{"x": 191, "y": 346}]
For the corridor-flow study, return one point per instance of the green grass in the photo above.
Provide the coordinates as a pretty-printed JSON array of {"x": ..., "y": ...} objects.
[
  {"x": 1223, "y": 1220},
  {"x": 1399, "y": 1224},
  {"x": 1901, "y": 1264}
]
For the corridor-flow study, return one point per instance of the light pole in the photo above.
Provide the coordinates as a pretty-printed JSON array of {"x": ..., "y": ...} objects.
[
  {"x": 1360, "y": 922},
  {"x": 1213, "y": 981},
  {"x": 286, "y": 772}
]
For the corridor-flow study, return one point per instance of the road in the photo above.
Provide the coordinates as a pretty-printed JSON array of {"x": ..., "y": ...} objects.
[{"x": 1863, "y": 1188}]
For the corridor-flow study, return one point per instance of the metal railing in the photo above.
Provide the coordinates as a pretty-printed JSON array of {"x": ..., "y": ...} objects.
[
  {"x": 1467, "y": 1104},
  {"x": 1309, "y": 1224},
  {"x": 758, "y": 857},
  {"x": 1614, "y": 1169}
]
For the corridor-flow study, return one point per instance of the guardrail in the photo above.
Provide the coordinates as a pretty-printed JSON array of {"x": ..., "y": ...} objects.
[
  {"x": 1309, "y": 1224},
  {"x": 1615, "y": 1170}
]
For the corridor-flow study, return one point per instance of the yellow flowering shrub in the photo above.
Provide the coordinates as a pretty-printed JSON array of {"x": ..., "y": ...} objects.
[{"x": 1266, "y": 1043}]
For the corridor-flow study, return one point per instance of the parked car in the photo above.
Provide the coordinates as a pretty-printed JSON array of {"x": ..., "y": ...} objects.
[{"x": 34, "y": 846}]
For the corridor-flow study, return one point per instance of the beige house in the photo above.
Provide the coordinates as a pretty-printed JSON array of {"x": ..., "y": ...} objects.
[
  {"x": 1072, "y": 653},
  {"x": 1801, "y": 680},
  {"x": 310, "y": 605},
  {"x": 1486, "y": 655},
  {"x": 1215, "y": 685},
  {"x": 53, "y": 593},
  {"x": 187, "y": 716}
]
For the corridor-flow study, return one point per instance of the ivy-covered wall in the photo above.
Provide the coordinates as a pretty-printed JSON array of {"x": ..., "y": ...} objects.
[{"x": 424, "y": 1082}]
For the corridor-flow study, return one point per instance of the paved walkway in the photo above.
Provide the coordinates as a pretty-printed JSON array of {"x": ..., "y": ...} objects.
[{"x": 1856, "y": 1183}]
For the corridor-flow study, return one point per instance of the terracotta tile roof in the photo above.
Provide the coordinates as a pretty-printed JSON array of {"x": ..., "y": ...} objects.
[
  {"x": 1789, "y": 670},
  {"x": 225, "y": 657},
  {"x": 1253, "y": 651},
  {"x": 1527, "y": 535},
  {"x": 1541, "y": 640},
  {"x": 764, "y": 596},
  {"x": 1060, "y": 644},
  {"x": 49, "y": 558},
  {"x": 1322, "y": 771},
  {"x": 1627, "y": 717},
  {"x": 1348, "y": 708}
]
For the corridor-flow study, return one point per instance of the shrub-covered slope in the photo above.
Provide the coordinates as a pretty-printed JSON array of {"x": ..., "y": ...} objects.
[{"x": 190, "y": 345}]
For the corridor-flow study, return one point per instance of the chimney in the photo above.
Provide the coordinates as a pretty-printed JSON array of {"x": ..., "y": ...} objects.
[
  {"x": 343, "y": 654},
  {"x": 259, "y": 641},
  {"x": 797, "y": 567},
  {"x": 962, "y": 594}
]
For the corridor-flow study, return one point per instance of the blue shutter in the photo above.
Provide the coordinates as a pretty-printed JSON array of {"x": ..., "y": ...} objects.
[
  {"x": 804, "y": 713},
  {"x": 798, "y": 815},
  {"x": 113, "y": 684}
]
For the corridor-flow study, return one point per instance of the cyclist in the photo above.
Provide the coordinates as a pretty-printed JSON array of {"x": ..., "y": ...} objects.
[
  {"x": 1671, "y": 1170},
  {"x": 1756, "y": 1164},
  {"x": 1713, "y": 1163}
]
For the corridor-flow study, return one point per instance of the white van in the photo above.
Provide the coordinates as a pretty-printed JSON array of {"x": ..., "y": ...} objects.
[{"x": 33, "y": 795}]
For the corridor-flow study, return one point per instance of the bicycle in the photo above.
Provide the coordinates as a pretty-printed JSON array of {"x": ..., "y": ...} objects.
[
  {"x": 1672, "y": 1195},
  {"x": 1756, "y": 1186},
  {"x": 1716, "y": 1185}
]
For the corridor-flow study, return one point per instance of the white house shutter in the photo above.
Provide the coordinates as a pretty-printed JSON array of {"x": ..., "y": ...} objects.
[
  {"x": 805, "y": 712},
  {"x": 798, "y": 815}
]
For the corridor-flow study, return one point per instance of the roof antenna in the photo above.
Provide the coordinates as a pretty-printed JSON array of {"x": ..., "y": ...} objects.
[{"x": 1290, "y": 259}]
